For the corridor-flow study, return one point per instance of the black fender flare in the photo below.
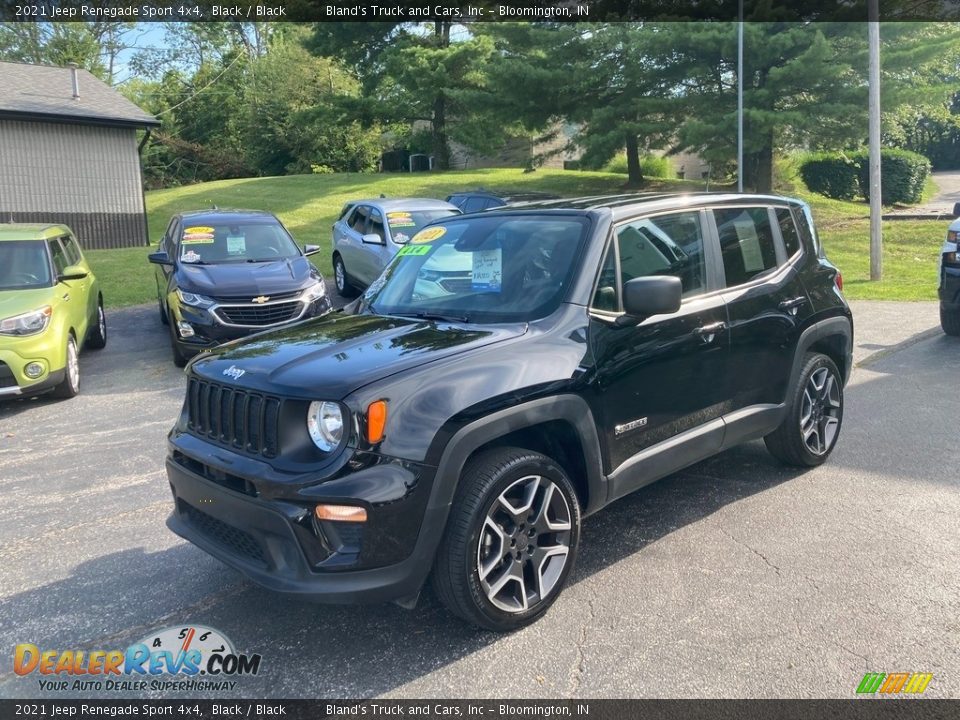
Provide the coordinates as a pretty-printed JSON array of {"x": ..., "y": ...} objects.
[
  {"x": 829, "y": 327},
  {"x": 569, "y": 408}
]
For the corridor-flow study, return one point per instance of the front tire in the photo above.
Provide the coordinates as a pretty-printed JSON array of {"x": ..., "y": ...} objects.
[
  {"x": 179, "y": 359},
  {"x": 97, "y": 339},
  {"x": 810, "y": 430},
  {"x": 510, "y": 542},
  {"x": 950, "y": 322},
  {"x": 341, "y": 279},
  {"x": 70, "y": 385}
]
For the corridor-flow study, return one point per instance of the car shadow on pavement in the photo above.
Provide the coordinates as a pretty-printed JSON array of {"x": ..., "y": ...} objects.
[{"x": 355, "y": 651}]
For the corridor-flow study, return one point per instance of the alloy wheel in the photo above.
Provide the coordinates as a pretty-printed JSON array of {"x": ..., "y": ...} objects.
[
  {"x": 820, "y": 411},
  {"x": 341, "y": 276},
  {"x": 73, "y": 365},
  {"x": 524, "y": 544}
]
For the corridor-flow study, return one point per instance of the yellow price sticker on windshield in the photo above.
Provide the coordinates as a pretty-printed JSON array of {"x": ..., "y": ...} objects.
[{"x": 429, "y": 235}]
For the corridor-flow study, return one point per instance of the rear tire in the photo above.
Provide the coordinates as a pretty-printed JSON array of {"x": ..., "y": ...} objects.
[
  {"x": 341, "y": 279},
  {"x": 70, "y": 385},
  {"x": 511, "y": 540},
  {"x": 97, "y": 338},
  {"x": 811, "y": 427},
  {"x": 950, "y": 322}
]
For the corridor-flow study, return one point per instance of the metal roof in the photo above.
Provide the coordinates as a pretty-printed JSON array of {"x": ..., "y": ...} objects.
[
  {"x": 43, "y": 92},
  {"x": 406, "y": 203}
]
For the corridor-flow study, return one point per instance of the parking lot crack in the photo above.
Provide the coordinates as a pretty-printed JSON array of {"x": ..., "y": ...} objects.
[
  {"x": 752, "y": 549},
  {"x": 580, "y": 661}
]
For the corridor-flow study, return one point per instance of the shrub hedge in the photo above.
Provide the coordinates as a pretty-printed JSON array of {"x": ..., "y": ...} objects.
[{"x": 845, "y": 176}]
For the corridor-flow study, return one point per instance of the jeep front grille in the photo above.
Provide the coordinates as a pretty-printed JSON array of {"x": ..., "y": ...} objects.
[{"x": 244, "y": 420}]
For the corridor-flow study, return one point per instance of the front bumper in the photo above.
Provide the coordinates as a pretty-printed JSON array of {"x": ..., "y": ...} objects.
[
  {"x": 274, "y": 540},
  {"x": 17, "y": 352},
  {"x": 209, "y": 330}
]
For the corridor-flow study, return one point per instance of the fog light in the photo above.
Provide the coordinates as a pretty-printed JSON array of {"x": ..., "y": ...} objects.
[
  {"x": 33, "y": 370},
  {"x": 185, "y": 328},
  {"x": 341, "y": 513}
]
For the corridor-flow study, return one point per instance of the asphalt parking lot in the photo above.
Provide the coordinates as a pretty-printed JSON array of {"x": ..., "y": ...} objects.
[{"x": 735, "y": 578}]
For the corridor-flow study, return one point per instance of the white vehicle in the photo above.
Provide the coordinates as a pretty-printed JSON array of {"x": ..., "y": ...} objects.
[{"x": 370, "y": 232}]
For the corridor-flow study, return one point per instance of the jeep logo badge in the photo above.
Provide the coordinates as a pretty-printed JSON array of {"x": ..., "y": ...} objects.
[{"x": 234, "y": 372}]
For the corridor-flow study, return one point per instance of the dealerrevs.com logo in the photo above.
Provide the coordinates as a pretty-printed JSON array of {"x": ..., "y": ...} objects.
[{"x": 185, "y": 653}]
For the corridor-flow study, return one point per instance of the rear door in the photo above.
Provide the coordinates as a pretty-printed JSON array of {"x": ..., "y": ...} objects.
[{"x": 765, "y": 298}]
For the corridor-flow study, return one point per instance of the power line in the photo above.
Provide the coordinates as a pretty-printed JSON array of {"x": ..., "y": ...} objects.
[{"x": 184, "y": 102}]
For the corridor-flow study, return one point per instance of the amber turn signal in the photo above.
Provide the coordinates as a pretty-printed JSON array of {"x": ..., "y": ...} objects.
[
  {"x": 341, "y": 513},
  {"x": 376, "y": 421}
]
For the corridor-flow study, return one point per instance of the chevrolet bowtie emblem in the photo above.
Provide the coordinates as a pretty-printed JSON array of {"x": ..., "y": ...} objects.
[{"x": 261, "y": 299}]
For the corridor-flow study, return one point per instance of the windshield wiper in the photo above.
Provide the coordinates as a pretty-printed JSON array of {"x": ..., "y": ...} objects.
[{"x": 436, "y": 316}]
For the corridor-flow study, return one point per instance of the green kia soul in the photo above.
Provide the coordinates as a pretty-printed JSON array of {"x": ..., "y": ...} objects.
[{"x": 50, "y": 308}]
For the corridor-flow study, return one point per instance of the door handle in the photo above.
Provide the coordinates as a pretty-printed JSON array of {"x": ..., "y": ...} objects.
[
  {"x": 793, "y": 305},
  {"x": 708, "y": 332}
]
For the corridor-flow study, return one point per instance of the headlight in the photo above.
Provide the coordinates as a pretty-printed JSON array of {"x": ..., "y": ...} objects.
[
  {"x": 194, "y": 300},
  {"x": 325, "y": 425},
  {"x": 314, "y": 292},
  {"x": 29, "y": 323}
]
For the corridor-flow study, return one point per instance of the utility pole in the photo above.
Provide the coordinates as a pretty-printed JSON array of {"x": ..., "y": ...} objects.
[
  {"x": 740, "y": 96},
  {"x": 876, "y": 229}
]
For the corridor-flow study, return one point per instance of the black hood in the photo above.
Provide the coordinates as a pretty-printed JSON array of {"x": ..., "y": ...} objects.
[
  {"x": 241, "y": 279},
  {"x": 330, "y": 357}
]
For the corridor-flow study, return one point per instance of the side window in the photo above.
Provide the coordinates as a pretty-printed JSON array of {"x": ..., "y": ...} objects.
[
  {"x": 664, "y": 245},
  {"x": 376, "y": 224},
  {"x": 358, "y": 220},
  {"x": 59, "y": 256},
  {"x": 788, "y": 230},
  {"x": 746, "y": 242},
  {"x": 805, "y": 223},
  {"x": 72, "y": 249},
  {"x": 605, "y": 298}
]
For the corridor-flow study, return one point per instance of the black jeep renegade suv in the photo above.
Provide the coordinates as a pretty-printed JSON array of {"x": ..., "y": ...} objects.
[{"x": 509, "y": 373}]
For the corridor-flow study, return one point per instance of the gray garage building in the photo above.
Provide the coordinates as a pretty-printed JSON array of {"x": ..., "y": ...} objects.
[{"x": 69, "y": 154}]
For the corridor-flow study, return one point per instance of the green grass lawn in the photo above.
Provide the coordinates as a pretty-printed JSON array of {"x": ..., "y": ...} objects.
[{"x": 309, "y": 204}]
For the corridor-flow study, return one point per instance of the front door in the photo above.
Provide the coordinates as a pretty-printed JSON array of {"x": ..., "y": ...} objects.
[{"x": 664, "y": 376}]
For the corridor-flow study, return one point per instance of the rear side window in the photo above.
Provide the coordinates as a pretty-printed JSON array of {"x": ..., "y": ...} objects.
[
  {"x": 746, "y": 242},
  {"x": 788, "y": 230},
  {"x": 664, "y": 245},
  {"x": 72, "y": 249}
]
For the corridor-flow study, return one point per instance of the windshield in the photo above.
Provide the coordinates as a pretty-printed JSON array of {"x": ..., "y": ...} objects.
[
  {"x": 235, "y": 242},
  {"x": 497, "y": 268},
  {"x": 405, "y": 224},
  {"x": 24, "y": 264}
]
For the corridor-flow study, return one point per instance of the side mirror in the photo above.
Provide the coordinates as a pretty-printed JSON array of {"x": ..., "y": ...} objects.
[
  {"x": 311, "y": 249},
  {"x": 646, "y": 296},
  {"x": 72, "y": 272},
  {"x": 160, "y": 258},
  {"x": 373, "y": 239}
]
